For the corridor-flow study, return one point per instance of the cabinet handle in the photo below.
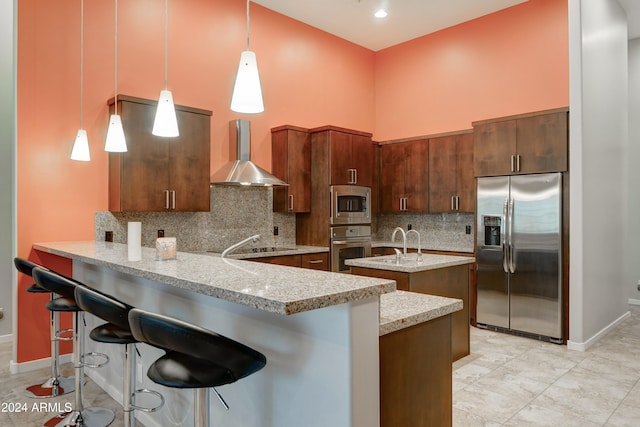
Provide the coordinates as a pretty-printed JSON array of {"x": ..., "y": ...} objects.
[
  {"x": 173, "y": 199},
  {"x": 290, "y": 202},
  {"x": 453, "y": 203},
  {"x": 457, "y": 203},
  {"x": 513, "y": 167},
  {"x": 401, "y": 199},
  {"x": 166, "y": 199},
  {"x": 355, "y": 176},
  {"x": 518, "y": 163},
  {"x": 316, "y": 261}
]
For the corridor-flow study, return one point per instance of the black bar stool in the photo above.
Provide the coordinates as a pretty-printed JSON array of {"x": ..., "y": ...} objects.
[
  {"x": 55, "y": 385},
  {"x": 195, "y": 357},
  {"x": 65, "y": 287},
  {"x": 117, "y": 331}
]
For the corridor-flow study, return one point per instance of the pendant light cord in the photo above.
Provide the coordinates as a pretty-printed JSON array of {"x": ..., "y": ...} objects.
[
  {"x": 166, "y": 43},
  {"x": 81, "y": 59},
  {"x": 248, "y": 24},
  {"x": 115, "y": 60}
]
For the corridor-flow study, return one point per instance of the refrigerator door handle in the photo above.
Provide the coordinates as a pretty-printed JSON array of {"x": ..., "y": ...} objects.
[
  {"x": 512, "y": 264},
  {"x": 505, "y": 248}
]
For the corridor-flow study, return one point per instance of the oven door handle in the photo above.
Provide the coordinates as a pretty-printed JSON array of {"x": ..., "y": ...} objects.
[{"x": 340, "y": 242}]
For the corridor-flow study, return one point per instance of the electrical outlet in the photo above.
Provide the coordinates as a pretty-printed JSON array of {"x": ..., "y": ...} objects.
[
  {"x": 639, "y": 285},
  {"x": 409, "y": 227},
  {"x": 1, "y": 313},
  {"x": 467, "y": 229},
  {"x": 275, "y": 230},
  {"x": 160, "y": 233}
]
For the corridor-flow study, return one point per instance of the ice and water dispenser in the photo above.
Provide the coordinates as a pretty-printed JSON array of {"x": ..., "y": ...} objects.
[{"x": 492, "y": 225}]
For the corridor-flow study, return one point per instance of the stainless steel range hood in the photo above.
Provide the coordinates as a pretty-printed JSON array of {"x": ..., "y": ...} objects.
[{"x": 243, "y": 171}]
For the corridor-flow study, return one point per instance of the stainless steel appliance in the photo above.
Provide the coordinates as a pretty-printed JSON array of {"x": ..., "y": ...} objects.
[
  {"x": 519, "y": 254},
  {"x": 350, "y": 204},
  {"x": 349, "y": 242}
]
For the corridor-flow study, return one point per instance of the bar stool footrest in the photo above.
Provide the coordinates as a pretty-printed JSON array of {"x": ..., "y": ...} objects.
[
  {"x": 94, "y": 365},
  {"x": 146, "y": 409},
  {"x": 58, "y": 334}
]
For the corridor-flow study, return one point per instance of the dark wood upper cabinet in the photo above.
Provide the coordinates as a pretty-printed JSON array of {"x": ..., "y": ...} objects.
[
  {"x": 527, "y": 143},
  {"x": 451, "y": 180},
  {"x": 404, "y": 176},
  {"x": 351, "y": 155},
  {"x": 160, "y": 174},
  {"x": 291, "y": 162}
]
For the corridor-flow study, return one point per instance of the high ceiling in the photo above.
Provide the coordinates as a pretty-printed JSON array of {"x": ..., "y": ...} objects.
[{"x": 353, "y": 20}]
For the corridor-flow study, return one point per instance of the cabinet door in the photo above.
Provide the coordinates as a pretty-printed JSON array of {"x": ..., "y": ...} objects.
[
  {"x": 392, "y": 175},
  {"x": 362, "y": 155},
  {"x": 542, "y": 143},
  {"x": 443, "y": 165},
  {"x": 341, "y": 158},
  {"x": 189, "y": 180},
  {"x": 291, "y": 162},
  {"x": 494, "y": 145},
  {"x": 465, "y": 181},
  {"x": 416, "y": 176},
  {"x": 142, "y": 179}
]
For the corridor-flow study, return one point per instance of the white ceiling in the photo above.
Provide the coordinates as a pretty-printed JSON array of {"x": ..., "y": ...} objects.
[{"x": 353, "y": 20}]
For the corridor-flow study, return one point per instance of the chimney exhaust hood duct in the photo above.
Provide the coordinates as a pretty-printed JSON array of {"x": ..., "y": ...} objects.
[{"x": 243, "y": 171}]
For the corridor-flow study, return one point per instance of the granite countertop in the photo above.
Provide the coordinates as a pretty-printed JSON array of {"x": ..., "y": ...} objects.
[
  {"x": 401, "y": 309},
  {"x": 460, "y": 248},
  {"x": 410, "y": 265},
  {"x": 272, "y": 288},
  {"x": 298, "y": 250}
]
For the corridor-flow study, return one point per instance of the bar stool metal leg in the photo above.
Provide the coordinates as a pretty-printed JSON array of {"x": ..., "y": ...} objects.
[
  {"x": 81, "y": 416},
  {"x": 201, "y": 407},
  {"x": 55, "y": 385}
]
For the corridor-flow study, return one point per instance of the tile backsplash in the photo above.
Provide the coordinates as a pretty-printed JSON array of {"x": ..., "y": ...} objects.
[
  {"x": 236, "y": 213},
  {"x": 239, "y": 212}
]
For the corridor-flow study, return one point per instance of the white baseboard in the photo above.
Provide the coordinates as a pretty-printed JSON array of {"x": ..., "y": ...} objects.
[
  {"x": 17, "y": 368},
  {"x": 584, "y": 346},
  {"x": 6, "y": 338},
  {"x": 634, "y": 301}
]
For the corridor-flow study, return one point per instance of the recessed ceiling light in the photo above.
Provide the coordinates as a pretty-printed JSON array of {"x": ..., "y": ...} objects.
[{"x": 380, "y": 14}]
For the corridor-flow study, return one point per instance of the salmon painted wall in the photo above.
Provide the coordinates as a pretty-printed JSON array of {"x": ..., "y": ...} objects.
[
  {"x": 309, "y": 77},
  {"x": 512, "y": 61}
]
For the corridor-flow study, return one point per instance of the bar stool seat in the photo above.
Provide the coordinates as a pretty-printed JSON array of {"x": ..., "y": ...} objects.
[
  {"x": 56, "y": 384},
  {"x": 65, "y": 287},
  {"x": 195, "y": 357},
  {"x": 117, "y": 331}
]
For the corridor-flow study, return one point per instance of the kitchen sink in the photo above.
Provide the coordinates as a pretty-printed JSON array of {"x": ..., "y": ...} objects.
[{"x": 386, "y": 261}]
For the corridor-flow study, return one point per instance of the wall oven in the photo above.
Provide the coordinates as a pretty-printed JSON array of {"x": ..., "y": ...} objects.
[
  {"x": 350, "y": 204},
  {"x": 349, "y": 242}
]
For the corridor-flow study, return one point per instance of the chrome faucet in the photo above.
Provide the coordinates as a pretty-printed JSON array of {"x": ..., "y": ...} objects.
[
  {"x": 404, "y": 240},
  {"x": 419, "y": 255},
  {"x": 240, "y": 244}
]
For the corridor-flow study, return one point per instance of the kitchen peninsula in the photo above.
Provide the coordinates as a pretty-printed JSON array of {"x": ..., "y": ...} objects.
[{"x": 319, "y": 331}]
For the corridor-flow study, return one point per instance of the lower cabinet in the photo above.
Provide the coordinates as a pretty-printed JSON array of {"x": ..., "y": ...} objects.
[
  {"x": 415, "y": 375},
  {"x": 316, "y": 261}
]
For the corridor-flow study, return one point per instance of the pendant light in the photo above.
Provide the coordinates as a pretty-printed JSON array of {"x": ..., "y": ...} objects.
[
  {"x": 80, "y": 149},
  {"x": 166, "y": 123},
  {"x": 247, "y": 93},
  {"x": 115, "y": 141}
]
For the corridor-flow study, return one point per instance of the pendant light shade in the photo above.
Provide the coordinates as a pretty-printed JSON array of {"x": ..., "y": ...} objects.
[
  {"x": 247, "y": 92},
  {"x": 166, "y": 123},
  {"x": 115, "y": 142},
  {"x": 80, "y": 149}
]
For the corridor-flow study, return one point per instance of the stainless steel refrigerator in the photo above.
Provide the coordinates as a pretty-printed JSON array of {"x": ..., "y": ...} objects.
[{"x": 519, "y": 254}]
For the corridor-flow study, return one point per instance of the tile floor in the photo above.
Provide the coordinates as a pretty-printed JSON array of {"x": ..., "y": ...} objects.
[
  {"x": 513, "y": 381},
  {"x": 507, "y": 381}
]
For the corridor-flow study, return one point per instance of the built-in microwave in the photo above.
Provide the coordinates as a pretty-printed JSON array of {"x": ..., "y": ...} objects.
[{"x": 350, "y": 204}]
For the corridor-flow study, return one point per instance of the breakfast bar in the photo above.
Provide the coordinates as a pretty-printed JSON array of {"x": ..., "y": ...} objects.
[{"x": 318, "y": 330}]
